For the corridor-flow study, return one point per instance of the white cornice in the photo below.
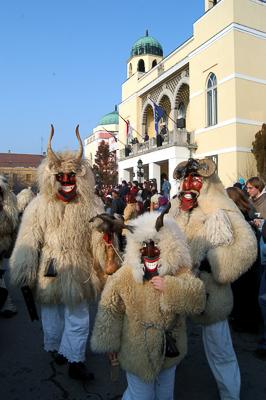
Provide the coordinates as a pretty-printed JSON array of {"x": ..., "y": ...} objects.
[{"x": 229, "y": 122}]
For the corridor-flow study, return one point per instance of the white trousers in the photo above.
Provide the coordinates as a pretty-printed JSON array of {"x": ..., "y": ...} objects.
[
  {"x": 66, "y": 330},
  {"x": 161, "y": 389},
  {"x": 222, "y": 359}
]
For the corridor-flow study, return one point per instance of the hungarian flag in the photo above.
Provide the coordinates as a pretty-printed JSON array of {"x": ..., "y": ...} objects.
[{"x": 158, "y": 113}]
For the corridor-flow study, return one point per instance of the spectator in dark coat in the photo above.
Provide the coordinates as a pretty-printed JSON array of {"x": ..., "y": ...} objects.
[
  {"x": 118, "y": 204},
  {"x": 124, "y": 190}
]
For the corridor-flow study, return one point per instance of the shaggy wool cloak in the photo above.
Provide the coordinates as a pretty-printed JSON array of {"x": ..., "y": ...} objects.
[
  {"x": 59, "y": 233},
  {"x": 133, "y": 316},
  {"x": 217, "y": 232}
]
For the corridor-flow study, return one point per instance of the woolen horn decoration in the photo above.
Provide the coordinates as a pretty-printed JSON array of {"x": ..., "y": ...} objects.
[
  {"x": 207, "y": 167},
  {"x": 177, "y": 174},
  {"x": 80, "y": 153}
]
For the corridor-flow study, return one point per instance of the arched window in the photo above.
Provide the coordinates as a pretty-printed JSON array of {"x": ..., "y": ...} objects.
[
  {"x": 181, "y": 111},
  {"x": 130, "y": 70},
  {"x": 211, "y": 100},
  {"x": 154, "y": 63},
  {"x": 181, "y": 116},
  {"x": 141, "y": 65}
]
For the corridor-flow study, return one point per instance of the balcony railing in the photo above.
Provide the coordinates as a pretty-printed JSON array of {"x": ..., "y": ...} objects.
[{"x": 172, "y": 138}]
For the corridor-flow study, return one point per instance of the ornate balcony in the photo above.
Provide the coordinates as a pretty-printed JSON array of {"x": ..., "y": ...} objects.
[{"x": 172, "y": 138}]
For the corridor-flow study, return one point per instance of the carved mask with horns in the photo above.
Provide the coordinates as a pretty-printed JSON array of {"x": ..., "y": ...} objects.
[
  {"x": 191, "y": 174},
  {"x": 65, "y": 170}
]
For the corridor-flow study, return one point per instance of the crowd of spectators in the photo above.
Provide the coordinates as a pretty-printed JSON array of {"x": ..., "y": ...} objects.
[{"x": 145, "y": 196}]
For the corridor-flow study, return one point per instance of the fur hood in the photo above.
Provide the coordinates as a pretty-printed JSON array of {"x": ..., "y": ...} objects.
[{"x": 170, "y": 240}]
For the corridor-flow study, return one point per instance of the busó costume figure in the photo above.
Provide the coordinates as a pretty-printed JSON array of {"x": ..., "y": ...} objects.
[
  {"x": 143, "y": 305},
  {"x": 222, "y": 247},
  {"x": 59, "y": 257}
]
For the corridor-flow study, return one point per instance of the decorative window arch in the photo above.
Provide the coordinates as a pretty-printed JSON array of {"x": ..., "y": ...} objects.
[
  {"x": 141, "y": 65},
  {"x": 154, "y": 63},
  {"x": 211, "y": 91}
]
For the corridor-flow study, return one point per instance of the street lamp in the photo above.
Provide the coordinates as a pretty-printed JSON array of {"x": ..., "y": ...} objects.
[{"x": 140, "y": 171}]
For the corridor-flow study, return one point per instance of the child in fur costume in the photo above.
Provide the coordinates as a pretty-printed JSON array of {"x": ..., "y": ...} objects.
[
  {"x": 57, "y": 254},
  {"x": 222, "y": 247},
  {"x": 144, "y": 299},
  {"x": 8, "y": 230}
]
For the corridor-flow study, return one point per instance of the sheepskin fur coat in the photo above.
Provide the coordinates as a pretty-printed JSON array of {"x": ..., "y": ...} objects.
[
  {"x": 8, "y": 218},
  {"x": 217, "y": 232},
  {"x": 59, "y": 233},
  {"x": 133, "y": 316}
]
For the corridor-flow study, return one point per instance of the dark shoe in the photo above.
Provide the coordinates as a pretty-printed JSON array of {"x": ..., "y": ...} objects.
[
  {"x": 260, "y": 353},
  {"x": 78, "y": 370},
  {"x": 8, "y": 313},
  {"x": 59, "y": 359}
]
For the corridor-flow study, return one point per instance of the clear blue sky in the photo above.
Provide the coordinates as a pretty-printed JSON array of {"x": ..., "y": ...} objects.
[{"x": 63, "y": 62}]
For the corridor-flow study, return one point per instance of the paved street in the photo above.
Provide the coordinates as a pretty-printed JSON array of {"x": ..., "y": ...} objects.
[{"x": 28, "y": 373}]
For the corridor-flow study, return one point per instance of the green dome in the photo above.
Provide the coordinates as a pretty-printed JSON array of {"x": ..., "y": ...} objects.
[
  {"x": 111, "y": 118},
  {"x": 146, "y": 45}
]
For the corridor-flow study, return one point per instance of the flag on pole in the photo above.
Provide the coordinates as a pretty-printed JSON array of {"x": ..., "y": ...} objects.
[
  {"x": 129, "y": 130},
  {"x": 158, "y": 113}
]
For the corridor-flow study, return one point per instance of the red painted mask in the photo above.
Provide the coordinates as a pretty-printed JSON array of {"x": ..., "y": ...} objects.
[
  {"x": 190, "y": 190},
  {"x": 150, "y": 256},
  {"x": 68, "y": 188}
]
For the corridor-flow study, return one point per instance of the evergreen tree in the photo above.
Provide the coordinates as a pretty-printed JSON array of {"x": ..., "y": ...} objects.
[
  {"x": 105, "y": 166},
  {"x": 259, "y": 151}
]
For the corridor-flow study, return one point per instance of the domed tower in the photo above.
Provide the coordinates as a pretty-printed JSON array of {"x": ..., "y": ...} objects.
[
  {"x": 110, "y": 118},
  {"x": 146, "y": 53}
]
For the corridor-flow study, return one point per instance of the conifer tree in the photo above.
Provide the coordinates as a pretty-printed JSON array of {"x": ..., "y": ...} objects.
[
  {"x": 105, "y": 166},
  {"x": 259, "y": 151}
]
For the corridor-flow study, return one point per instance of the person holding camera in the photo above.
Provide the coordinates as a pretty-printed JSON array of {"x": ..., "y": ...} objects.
[{"x": 140, "y": 321}]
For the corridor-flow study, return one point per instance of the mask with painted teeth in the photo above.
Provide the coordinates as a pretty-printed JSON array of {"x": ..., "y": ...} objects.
[
  {"x": 67, "y": 190},
  {"x": 150, "y": 257},
  {"x": 190, "y": 190}
]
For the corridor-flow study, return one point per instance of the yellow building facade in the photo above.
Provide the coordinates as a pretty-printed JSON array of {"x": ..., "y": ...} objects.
[{"x": 212, "y": 87}]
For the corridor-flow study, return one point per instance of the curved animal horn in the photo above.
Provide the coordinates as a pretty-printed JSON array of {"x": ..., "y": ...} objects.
[
  {"x": 179, "y": 169},
  {"x": 80, "y": 153},
  {"x": 159, "y": 220},
  {"x": 50, "y": 152},
  {"x": 207, "y": 167}
]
